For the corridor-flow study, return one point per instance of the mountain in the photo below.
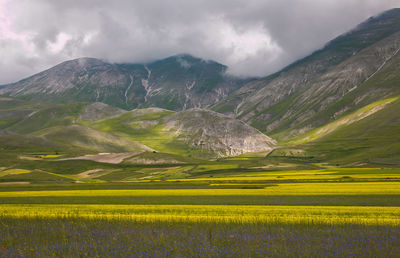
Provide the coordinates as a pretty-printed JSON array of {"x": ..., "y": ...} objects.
[
  {"x": 350, "y": 72},
  {"x": 176, "y": 83},
  {"x": 91, "y": 128},
  {"x": 337, "y": 105}
]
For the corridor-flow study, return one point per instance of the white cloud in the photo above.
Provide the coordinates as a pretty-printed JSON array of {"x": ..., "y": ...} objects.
[
  {"x": 58, "y": 45},
  {"x": 252, "y": 37}
]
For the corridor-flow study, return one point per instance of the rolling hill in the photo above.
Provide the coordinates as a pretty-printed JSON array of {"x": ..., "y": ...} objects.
[{"x": 90, "y": 128}]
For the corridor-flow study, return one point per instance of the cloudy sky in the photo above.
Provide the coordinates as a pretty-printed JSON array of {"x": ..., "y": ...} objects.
[{"x": 252, "y": 37}]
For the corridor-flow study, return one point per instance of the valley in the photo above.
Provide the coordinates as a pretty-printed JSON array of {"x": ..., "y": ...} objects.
[{"x": 179, "y": 158}]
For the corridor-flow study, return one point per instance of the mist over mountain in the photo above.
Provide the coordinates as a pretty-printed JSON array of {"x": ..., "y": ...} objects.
[
  {"x": 326, "y": 85},
  {"x": 175, "y": 83},
  {"x": 324, "y": 97}
]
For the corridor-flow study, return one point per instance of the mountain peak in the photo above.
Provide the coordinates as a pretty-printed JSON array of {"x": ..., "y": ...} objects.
[
  {"x": 187, "y": 61},
  {"x": 82, "y": 62},
  {"x": 177, "y": 82},
  {"x": 370, "y": 31},
  {"x": 394, "y": 12}
]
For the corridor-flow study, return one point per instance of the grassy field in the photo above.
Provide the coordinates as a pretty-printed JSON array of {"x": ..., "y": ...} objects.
[
  {"x": 323, "y": 212},
  {"x": 270, "y": 204}
]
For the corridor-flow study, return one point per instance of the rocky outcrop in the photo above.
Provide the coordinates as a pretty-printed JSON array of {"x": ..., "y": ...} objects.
[
  {"x": 217, "y": 133},
  {"x": 96, "y": 111}
]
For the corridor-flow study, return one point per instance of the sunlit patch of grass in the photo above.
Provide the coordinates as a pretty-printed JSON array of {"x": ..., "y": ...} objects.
[
  {"x": 15, "y": 171},
  {"x": 35, "y": 176},
  {"x": 153, "y": 135},
  {"x": 50, "y": 156},
  {"x": 39, "y": 156},
  {"x": 351, "y": 118}
]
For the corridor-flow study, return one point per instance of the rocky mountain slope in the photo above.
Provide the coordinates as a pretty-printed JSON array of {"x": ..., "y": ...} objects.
[
  {"x": 217, "y": 133},
  {"x": 176, "y": 83},
  {"x": 350, "y": 72},
  {"x": 193, "y": 132}
]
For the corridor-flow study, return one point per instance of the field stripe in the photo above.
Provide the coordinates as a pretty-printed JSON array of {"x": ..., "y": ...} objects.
[
  {"x": 365, "y": 188},
  {"x": 213, "y": 213}
]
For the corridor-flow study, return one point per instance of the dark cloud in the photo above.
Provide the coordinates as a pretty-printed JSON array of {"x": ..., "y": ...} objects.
[{"x": 252, "y": 37}]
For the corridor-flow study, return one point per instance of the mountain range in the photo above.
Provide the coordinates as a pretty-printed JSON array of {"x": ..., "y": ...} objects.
[
  {"x": 175, "y": 83},
  {"x": 339, "y": 105}
]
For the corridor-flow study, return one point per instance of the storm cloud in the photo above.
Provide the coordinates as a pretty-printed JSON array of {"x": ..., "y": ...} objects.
[{"x": 252, "y": 37}]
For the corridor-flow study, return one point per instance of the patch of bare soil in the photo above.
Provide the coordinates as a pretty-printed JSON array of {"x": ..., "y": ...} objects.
[
  {"x": 112, "y": 158},
  {"x": 93, "y": 173},
  {"x": 147, "y": 161}
]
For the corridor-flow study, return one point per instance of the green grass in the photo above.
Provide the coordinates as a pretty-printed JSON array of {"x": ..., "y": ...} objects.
[
  {"x": 35, "y": 177},
  {"x": 121, "y": 175},
  {"x": 344, "y": 121},
  {"x": 153, "y": 134},
  {"x": 53, "y": 115},
  {"x": 196, "y": 192},
  {"x": 367, "y": 136},
  {"x": 373, "y": 140}
]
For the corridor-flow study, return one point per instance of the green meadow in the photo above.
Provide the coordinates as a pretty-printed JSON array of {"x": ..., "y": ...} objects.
[{"x": 76, "y": 188}]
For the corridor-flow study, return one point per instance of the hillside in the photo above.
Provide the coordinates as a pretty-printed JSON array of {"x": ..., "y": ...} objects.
[
  {"x": 91, "y": 128},
  {"x": 193, "y": 132},
  {"x": 217, "y": 133},
  {"x": 176, "y": 83},
  {"x": 372, "y": 140},
  {"x": 352, "y": 71}
]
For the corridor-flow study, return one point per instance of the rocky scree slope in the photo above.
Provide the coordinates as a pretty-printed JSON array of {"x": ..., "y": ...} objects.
[{"x": 217, "y": 133}]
